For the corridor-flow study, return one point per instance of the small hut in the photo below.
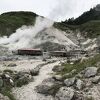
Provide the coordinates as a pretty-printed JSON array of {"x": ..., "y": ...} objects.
[
  {"x": 34, "y": 52},
  {"x": 58, "y": 53}
]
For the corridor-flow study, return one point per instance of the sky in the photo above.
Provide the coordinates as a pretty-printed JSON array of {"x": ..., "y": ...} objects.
[{"x": 54, "y": 9}]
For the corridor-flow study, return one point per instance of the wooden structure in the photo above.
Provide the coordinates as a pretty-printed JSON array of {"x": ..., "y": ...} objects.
[
  {"x": 68, "y": 54},
  {"x": 39, "y": 52},
  {"x": 76, "y": 52},
  {"x": 58, "y": 53},
  {"x": 35, "y": 52}
]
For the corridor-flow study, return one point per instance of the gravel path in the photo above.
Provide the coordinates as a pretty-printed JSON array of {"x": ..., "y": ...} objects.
[{"x": 27, "y": 92}]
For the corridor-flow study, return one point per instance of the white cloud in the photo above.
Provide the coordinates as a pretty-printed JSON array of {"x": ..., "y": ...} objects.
[
  {"x": 71, "y": 8},
  {"x": 54, "y": 9},
  {"x": 40, "y": 6}
]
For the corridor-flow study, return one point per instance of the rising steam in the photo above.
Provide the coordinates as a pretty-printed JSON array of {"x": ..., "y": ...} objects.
[{"x": 24, "y": 36}]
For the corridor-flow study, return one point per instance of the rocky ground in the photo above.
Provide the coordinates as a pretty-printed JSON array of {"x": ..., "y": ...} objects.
[
  {"x": 19, "y": 77},
  {"x": 85, "y": 85},
  {"x": 35, "y": 79},
  {"x": 31, "y": 78}
]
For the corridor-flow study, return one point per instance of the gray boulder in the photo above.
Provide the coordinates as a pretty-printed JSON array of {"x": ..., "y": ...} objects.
[
  {"x": 35, "y": 71},
  {"x": 21, "y": 73},
  {"x": 21, "y": 81},
  {"x": 69, "y": 82},
  {"x": 94, "y": 92},
  {"x": 64, "y": 93},
  {"x": 22, "y": 78},
  {"x": 58, "y": 68},
  {"x": 79, "y": 84},
  {"x": 79, "y": 96},
  {"x": 96, "y": 79},
  {"x": 48, "y": 87},
  {"x": 90, "y": 72},
  {"x": 58, "y": 77},
  {"x": 12, "y": 65}
]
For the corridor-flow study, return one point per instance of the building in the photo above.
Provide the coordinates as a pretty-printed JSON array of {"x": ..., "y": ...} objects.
[
  {"x": 77, "y": 52},
  {"x": 72, "y": 53},
  {"x": 34, "y": 52},
  {"x": 58, "y": 53}
]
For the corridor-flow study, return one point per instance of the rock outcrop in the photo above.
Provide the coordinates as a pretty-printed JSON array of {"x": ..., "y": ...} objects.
[
  {"x": 48, "y": 87},
  {"x": 64, "y": 93},
  {"x": 79, "y": 87},
  {"x": 90, "y": 71},
  {"x": 69, "y": 82},
  {"x": 58, "y": 68}
]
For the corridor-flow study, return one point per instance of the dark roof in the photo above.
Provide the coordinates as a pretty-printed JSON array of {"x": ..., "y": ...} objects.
[{"x": 30, "y": 49}]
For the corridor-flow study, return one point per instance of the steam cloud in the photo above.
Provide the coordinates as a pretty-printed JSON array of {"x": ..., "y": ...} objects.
[
  {"x": 71, "y": 8},
  {"x": 24, "y": 36}
]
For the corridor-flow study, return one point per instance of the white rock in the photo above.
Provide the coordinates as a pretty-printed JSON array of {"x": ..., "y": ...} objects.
[
  {"x": 11, "y": 82},
  {"x": 64, "y": 94},
  {"x": 48, "y": 87},
  {"x": 7, "y": 76},
  {"x": 35, "y": 71},
  {"x": 95, "y": 92},
  {"x": 90, "y": 71},
  {"x": 58, "y": 77},
  {"x": 79, "y": 84},
  {"x": 96, "y": 79},
  {"x": 69, "y": 82}
]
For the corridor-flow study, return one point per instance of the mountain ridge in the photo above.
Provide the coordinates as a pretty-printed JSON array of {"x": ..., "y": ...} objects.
[{"x": 88, "y": 23}]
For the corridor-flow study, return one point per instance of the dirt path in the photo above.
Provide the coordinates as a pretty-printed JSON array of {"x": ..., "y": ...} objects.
[{"x": 27, "y": 92}]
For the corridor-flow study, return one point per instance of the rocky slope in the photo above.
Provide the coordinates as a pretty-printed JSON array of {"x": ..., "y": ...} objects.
[
  {"x": 79, "y": 82},
  {"x": 42, "y": 35},
  {"x": 46, "y": 34}
]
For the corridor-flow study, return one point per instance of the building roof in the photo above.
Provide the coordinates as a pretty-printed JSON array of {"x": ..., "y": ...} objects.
[
  {"x": 58, "y": 51},
  {"x": 30, "y": 49}
]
